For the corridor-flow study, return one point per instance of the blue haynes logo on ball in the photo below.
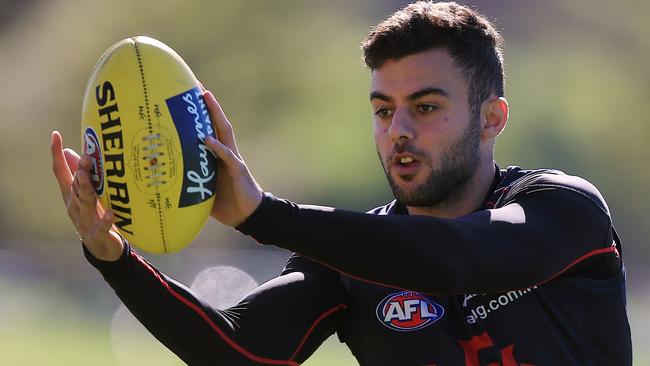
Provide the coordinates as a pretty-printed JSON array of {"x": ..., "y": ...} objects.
[{"x": 190, "y": 116}]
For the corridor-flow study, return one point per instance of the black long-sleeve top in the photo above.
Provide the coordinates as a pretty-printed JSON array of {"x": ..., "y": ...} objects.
[{"x": 533, "y": 277}]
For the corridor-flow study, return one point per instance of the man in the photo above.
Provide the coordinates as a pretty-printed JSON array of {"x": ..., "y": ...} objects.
[{"x": 470, "y": 265}]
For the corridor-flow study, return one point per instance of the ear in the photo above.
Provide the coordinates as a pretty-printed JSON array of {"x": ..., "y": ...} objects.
[{"x": 494, "y": 117}]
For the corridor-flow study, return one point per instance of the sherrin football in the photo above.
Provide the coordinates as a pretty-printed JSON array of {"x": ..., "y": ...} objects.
[{"x": 144, "y": 125}]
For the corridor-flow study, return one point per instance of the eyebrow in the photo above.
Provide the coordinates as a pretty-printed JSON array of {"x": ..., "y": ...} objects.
[{"x": 411, "y": 97}]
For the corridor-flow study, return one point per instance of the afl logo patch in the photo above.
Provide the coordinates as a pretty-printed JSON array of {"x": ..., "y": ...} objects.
[
  {"x": 92, "y": 148},
  {"x": 408, "y": 311}
]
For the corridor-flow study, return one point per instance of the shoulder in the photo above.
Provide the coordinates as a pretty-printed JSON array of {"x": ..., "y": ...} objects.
[{"x": 517, "y": 182}]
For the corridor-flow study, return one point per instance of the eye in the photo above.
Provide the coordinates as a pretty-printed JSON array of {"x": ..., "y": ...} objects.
[
  {"x": 427, "y": 108},
  {"x": 383, "y": 113}
]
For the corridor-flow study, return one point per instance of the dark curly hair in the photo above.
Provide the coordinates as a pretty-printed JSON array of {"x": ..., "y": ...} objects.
[{"x": 471, "y": 40}]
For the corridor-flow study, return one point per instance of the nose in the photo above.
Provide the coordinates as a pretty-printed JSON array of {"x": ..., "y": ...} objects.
[{"x": 401, "y": 126}]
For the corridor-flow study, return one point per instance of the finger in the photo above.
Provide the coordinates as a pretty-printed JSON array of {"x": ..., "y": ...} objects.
[
  {"x": 75, "y": 188},
  {"x": 229, "y": 158},
  {"x": 72, "y": 158},
  {"x": 59, "y": 164},
  {"x": 90, "y": 196},
  {"x": 221, "y": 124},
  {"x": 72, "y": 206},
  {"x": 87, "y": 195}
]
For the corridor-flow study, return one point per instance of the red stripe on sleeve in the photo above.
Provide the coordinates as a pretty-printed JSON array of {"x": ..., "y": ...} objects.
[
  {"x": 313, "y": 326},
  {"x": 214, "y": 326},
  {"x": 611, "y": 249}
]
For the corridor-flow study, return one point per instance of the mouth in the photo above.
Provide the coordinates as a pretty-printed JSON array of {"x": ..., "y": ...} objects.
[
  {"x": 404, "y": 159},
  {"x": 405, "y": 165}
]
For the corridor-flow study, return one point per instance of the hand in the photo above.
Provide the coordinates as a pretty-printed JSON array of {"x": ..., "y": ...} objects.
[
  {"x": 93, "y": 224},
  {"x": 237, "y": 194}
]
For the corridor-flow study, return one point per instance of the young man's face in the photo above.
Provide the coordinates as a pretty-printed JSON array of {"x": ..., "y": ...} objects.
[{"x": 426, "y": 139}]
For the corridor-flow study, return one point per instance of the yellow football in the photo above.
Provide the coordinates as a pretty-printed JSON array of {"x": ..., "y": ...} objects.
[{"x": 144, "y": 125}]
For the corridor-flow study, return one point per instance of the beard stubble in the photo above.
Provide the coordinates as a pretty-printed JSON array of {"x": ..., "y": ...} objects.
[{"x": 443, "y": 185}]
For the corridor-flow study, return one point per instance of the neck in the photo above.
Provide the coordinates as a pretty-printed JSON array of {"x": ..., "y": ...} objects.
[{"x": 465, "y": 202}]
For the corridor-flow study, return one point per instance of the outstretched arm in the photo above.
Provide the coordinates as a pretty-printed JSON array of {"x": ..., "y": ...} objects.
[
  {"x": 535, "y": 238},
  {"x": 281, "y": 322}
]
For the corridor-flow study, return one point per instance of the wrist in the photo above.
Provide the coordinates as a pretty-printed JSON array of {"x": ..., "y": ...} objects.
[
  {"x": 107, "y": 252},
  {"x": 253, "y": 205},
  {"x": 256, "y": 217}
]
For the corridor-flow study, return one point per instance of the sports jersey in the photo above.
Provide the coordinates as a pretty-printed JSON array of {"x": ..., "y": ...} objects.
[{"x": 532, "y": 277}]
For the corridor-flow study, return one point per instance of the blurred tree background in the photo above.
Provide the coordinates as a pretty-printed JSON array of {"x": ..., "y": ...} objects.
[{"x": 290, "y": 78}]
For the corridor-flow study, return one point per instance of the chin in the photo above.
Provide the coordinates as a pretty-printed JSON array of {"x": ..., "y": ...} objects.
[
  {"x": 406, "y": 185},
  {"x": 409, "y": 179},
  {"x": 406, "y": 178}
]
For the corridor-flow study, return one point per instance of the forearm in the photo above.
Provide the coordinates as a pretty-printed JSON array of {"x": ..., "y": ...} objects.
[
  {"x": 242, "y": 335},
  {"x": 178, "y": 319}
]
